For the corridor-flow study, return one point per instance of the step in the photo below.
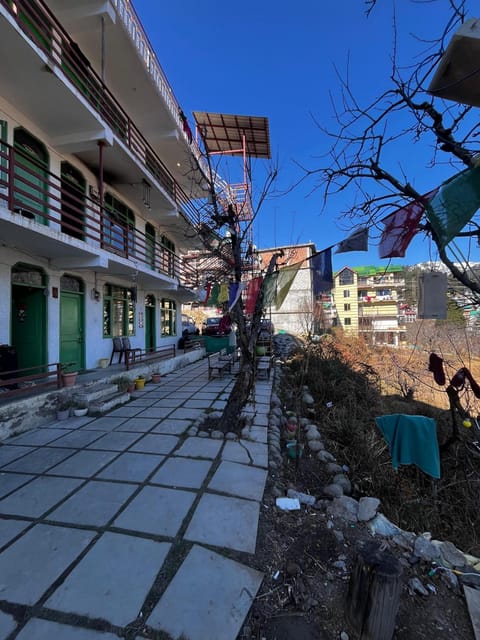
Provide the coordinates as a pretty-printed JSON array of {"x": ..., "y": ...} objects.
[
  {"x": 107, "y": 403},
  {"x": 94, "y": 392}
]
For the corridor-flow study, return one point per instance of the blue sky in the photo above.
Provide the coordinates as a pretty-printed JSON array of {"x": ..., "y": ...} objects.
[{"x": 278, "y": 59}]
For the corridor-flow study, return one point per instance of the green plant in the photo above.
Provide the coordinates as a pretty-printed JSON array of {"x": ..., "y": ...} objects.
[
  {"x": 68, "y": 367},
  {"x": 122, "y": 382},
  {"x": 64, "y": 403}
]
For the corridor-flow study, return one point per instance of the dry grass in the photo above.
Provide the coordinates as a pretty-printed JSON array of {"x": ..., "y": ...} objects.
[{"x": 359, "y": 382}]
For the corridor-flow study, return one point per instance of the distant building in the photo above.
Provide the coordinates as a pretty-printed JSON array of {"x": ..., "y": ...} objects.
[{"x": 369, "y": 302}]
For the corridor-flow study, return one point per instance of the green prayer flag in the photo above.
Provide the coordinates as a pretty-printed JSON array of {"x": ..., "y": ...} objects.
[
  {"x": 213, "y": 297},
  {"x": 286, "y": 276},
  {"x": 270, "y": 289},
  {"x": 454, "y": 205}
]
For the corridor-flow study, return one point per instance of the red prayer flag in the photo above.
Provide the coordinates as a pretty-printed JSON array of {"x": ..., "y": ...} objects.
[
  {"x": 400, "y": 227},
  {"x": 253, "y": 288}
]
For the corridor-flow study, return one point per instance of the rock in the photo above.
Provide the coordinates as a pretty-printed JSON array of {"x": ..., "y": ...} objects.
[
  {"x": 303, "y": 422},
  {"x": 332, "y": 467},
  {"x": 315, "y": 445},
  {"x": 307, "y": 399},
  {"x": 332, "y": 491},
  {"x": 325, "y": 456},
  {"x": 345, "y": 508},
  {"x": 344, "y": 482},
  {"x": 425, "y": 550},
  {"x": 313, "y": 434},
  {"x": 416, "y": 586},
  {"x": 450, "y": 579},
  {"x": 340, "y": 564},
  {"x": 192, "y": 431},
  {"x": 303, "y": 498},
  {"x": 404, "y": 540},
  {"x": 203, "y": 434},
  {"x": 344, "y": 636},
  {"x": 231, "y": 436},
  {"x": 245, "y": 433},
  {"x": 367, "y": 508},
  {"x": 451, "y": 556},
  {"x": 274, "y": 421},
  {"x": 322, "y": 504},
  {"x": 273, "y": 465},
  {"x": 277, "y": 491},
  {"x": 381, "y": 526},
  {"x": 275, "y": 400},
  {"x": 339, "y": 536},
  {"x": 217, "y": 435}
]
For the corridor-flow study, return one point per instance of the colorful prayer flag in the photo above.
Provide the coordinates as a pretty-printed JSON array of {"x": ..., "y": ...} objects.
[
  {"x": 400, "y": 226},
  {"x": 357, "y": 241},
  {"x": 234, "y": 291},
  {"x": 285, "y": 279},
  {"x": 253, "y": 288},
  {"x": 454, "y": 205},
  {"x": 223, "y": 293},
  {"x": 322, "y": 272},
  {"x": 213, "y": 297},
  {"x": 270, "y": 289}
]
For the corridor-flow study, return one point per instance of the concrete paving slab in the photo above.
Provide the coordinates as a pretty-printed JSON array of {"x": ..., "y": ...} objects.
[
  {"x": 125, "y": 411},
  {"x": 190, "y": 605},
  {"x": 172, "y": 427},
  {"x": 131, "y": 467},
  {"x": 137, "y": 425},
  {"x": 8, "y": 453},
  {"x": 199, "y": 448},
  {"x": 115, "y": 441},
  {"x": 182, "y": 472},
  {"x": 185, "y": 414},
  {"x": 155, "y": 412},
  {"x": 105, "y": 423},
  {"x": 38, "y": 497},
  {"x": 94, "y": 504},
  {"x": 246, "y": 452},
  {"x": 155, "y": 443},
  {"x": 225, "y": 522},
  {"x": 206, "y": 395},
  {"x": 156, "y": 510},
  {"x": 112, "y": 580},
  {"x": 258, "y": 434},
  {"x": 37, "y": 629},
  {"x": 197, "y": 403},
  {"x": 219, "y": 405},
  {"x": 140, "y": 402},
  {"x": 9, "y": 529},
  {"x": 172, "y": 403},
  {"x": 83, "y": 464},
  {"x": 7, "y": 624},
  {"x": 37, "y": 437},
  {"x": 43, "y": 553},
  {"x": 72, "y": 423},
  {"x": 77, "y": 439},
  {"x": 11, "y": 481},
  {"x": 260, "y": 420},
  {"x": 40, "y": 460},
  {"x": 239, "y": 480}
]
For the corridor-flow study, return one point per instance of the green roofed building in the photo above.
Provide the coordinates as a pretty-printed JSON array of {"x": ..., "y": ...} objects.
[{"x": 369, "y": 302}]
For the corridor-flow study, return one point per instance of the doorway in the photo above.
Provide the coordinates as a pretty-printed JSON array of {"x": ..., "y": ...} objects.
[
  {"x": 150, "y": 328},
  {"x": 72, "y": 326},
  {"x": 29, "y": 315}
]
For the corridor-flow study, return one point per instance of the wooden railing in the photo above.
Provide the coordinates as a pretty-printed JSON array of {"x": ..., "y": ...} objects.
[
  {"x": 135, "y": 357},
  {"x": 41, "y": 26},
  {"x": 30, "y": 379},
  {"x": 29, "y": 189}
]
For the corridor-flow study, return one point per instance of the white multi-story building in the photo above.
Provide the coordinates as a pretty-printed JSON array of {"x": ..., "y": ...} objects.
[{"x": 99, "y": 180}]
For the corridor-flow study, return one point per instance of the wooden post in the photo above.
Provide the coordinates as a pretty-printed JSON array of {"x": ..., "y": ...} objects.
[{"x": 374, "y": 593}]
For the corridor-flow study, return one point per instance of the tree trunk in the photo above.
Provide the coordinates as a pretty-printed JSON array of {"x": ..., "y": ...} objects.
[{"x": 374, "y": 593}]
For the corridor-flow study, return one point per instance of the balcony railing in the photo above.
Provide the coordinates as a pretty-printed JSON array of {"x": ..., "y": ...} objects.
[
  {"x": 36, "y": 20},
  {"x": 29, "y": 189}
]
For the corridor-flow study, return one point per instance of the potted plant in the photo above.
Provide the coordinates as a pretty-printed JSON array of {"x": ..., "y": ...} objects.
[
  {"x": 69, "y": 375},
  {"x": 139, "y": 382},
  {"x": 156, "y": 376},
  {"x": 124, "y": 384},
  {"x": 79, "y": 409},
  {"x": 64, "y": 406}
]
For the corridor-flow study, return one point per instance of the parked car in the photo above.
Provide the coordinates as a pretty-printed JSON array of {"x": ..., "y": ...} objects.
[
  {"x": 211, "y": 327},
  {"x": 189, "y": 326}
]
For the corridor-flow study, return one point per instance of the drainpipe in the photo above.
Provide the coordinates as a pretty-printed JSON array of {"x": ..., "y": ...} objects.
[
  {"x": 101, "y": 145},
  {"x": 103, "y": 50}
]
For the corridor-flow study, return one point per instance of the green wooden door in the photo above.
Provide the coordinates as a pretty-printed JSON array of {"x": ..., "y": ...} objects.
[
  {"x": 72, "y": 335},
  {"x": 29, "y": 325},
  {"x": 150, "y": 336}
]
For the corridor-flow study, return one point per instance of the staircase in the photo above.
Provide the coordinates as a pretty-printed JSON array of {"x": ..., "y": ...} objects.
[{"x": 101, "y": 397}]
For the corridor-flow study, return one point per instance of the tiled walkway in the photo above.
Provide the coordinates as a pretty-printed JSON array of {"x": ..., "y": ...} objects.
[{"x": 122, "y": 525}]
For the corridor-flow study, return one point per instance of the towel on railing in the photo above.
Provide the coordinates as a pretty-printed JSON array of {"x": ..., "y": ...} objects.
[{"x": 412, "y": 440}]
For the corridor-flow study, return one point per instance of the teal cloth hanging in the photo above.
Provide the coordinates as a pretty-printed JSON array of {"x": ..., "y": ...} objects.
[{"x": 412, "y": 440}]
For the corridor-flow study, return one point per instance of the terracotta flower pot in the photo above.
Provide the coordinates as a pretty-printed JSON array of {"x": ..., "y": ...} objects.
[
  {"x": 69, "y": 379},
  {"x": 156, "y": 378}
]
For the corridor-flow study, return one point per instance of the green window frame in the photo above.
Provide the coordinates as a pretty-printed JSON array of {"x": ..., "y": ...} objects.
[
  {"x": 168, "y": 256},
  {"x": 168, "y": 318},
  {"x": 118, "y": 226},
  {"x": 119, "y": 311}
]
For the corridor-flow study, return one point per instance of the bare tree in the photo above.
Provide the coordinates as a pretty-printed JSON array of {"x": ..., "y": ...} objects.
[
  {"x": 227, "y": 257},
  {"x": 363, "y": 157}
]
